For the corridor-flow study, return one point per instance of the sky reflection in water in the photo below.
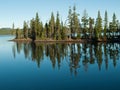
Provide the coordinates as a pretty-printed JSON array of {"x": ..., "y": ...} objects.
[{"x": 59, "y": 65}]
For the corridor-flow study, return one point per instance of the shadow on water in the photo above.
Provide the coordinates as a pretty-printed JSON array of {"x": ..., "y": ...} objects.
[{"x": 77, "y": 55}]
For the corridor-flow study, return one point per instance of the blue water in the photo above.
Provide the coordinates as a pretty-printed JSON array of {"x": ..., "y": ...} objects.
[{"x": 56, "y": 66}]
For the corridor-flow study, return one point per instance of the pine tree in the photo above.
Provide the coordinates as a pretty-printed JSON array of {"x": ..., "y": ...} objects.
[
  {"x": 47, "y": 30},
  {"x": 52, "y": 25},
  {"x": 41, "y": 31},
  {"x": 57, "y": 27},
  {"x": 114, "y": 25},
  {"x": 73, "y": 22},
  {"x": 37, "y": 25},
  {"x": 110, "y": 31},
  {"x": 70, "y": 21},
  {"x": 44, "y": 33},
  {"x": 63, "y": 32},
  {"x": 18, "y": 33},
  {"x": 79, "y": 31},
  {"x": 25, "y": 30},
  {"x": 118, "y": 29},
  {"x": 105, "y": 25},
  {"x": 98, "y": 26},
  {"x": 33, "y": 31},
  {"x": 76, "y": 24},
  {"x": 91, "y": 22},
  {"x": 85, "y": 23}
]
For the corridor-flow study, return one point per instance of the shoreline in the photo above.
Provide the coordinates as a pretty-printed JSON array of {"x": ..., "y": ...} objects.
[
  {"x": 62, "y": 41},
  {"x": 30, "y": 40}
]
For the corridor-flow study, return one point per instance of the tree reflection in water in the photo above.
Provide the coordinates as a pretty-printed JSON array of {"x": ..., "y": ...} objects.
[{"x": 76, "y": 54}]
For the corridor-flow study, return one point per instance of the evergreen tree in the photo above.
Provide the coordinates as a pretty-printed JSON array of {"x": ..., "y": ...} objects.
[
  {"x": 105, "y": 25},
  {"x": 41, "y": 35},
  {"x": 63, "y": 32},
  {"x": 110, "y": 31},
  {"x": 18, "y": 33},
  {"x": 57, "y": 26},
  {"x": 52, "y": 25},
  {"x": 70, "y": 21},
  {"x": 75, "y": 21},
  {"x": 79, "y": 31},
  {"x": 37, "y": 25},
  {"x": 98, "y": 26},
  {"x": 114, "y": 25},
  {"x": 44, "y": 33},
  {"x": 55, "y": 29},
  {"x": 47, "y": 30},
  {"x": 40, "y": 30},
  {"x": 118, "y": 29},
  {"x": 29, "y": 32},
  {"x": 25, "y": 30},
  {"x": 33, "y": 32},
  {"x": 85, "y": 23},
  {"x": 91, "y": 22}
]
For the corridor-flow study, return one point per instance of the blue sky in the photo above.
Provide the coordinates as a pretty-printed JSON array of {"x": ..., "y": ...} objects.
[{"x": 19, "y": 10}]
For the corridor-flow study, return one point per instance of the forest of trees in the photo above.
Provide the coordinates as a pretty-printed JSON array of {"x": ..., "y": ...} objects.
[{"x": 86, "y": 28}]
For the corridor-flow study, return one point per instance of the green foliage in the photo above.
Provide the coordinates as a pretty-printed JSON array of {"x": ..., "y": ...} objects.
[
  {"x": 78, "y": 36},
  {"x": 57, "y": 28},
  {"x": 42, "y": 30},
  {"x": 98, "y": 26},
  {"x": 70, "y": 19},
  {"x": 33, "y": 31},
  {"x": 73, "y": 21},
  {"x": 7, "y": 32},
  {"x": 63, "y": 32},
  {"x": 91, "y": 30},
  {"x": 85, "y": 23},
  {"x": 72, "y": 28},
  {"x": 47, "y": 29},
  {"x": 25, "y": 30},
  {"x": 52, "y": 25},
  {"x": 105, "y": 24},
  {"x": 110, "y": 30},
  {"x": 114, "y": 24},
  {"x": 18, "y": 33},
  {"x": 37, "y": 25},
  {"x": 13, "y": 29}
]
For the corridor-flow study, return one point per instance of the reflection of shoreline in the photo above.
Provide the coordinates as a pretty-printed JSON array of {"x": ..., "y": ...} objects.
[{"x": 77, "y": 54}]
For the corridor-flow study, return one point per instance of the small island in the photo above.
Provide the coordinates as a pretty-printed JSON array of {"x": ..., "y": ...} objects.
[
  {"x": 73, "y": 29},
  {"x": 60, "y": 44}
]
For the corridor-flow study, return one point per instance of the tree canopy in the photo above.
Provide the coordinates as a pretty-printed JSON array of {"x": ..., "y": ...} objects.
[{"x": 55, "y": 29}]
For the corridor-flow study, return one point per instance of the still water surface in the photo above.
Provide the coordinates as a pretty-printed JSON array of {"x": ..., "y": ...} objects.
[{"x": 53, "y": 66}]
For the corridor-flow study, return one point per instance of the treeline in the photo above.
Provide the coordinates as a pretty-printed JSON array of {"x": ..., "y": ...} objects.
[{"x": 86, "y": 28}]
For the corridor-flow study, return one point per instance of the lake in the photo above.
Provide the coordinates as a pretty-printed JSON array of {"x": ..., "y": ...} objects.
[{"x": 56, "y": 66}]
